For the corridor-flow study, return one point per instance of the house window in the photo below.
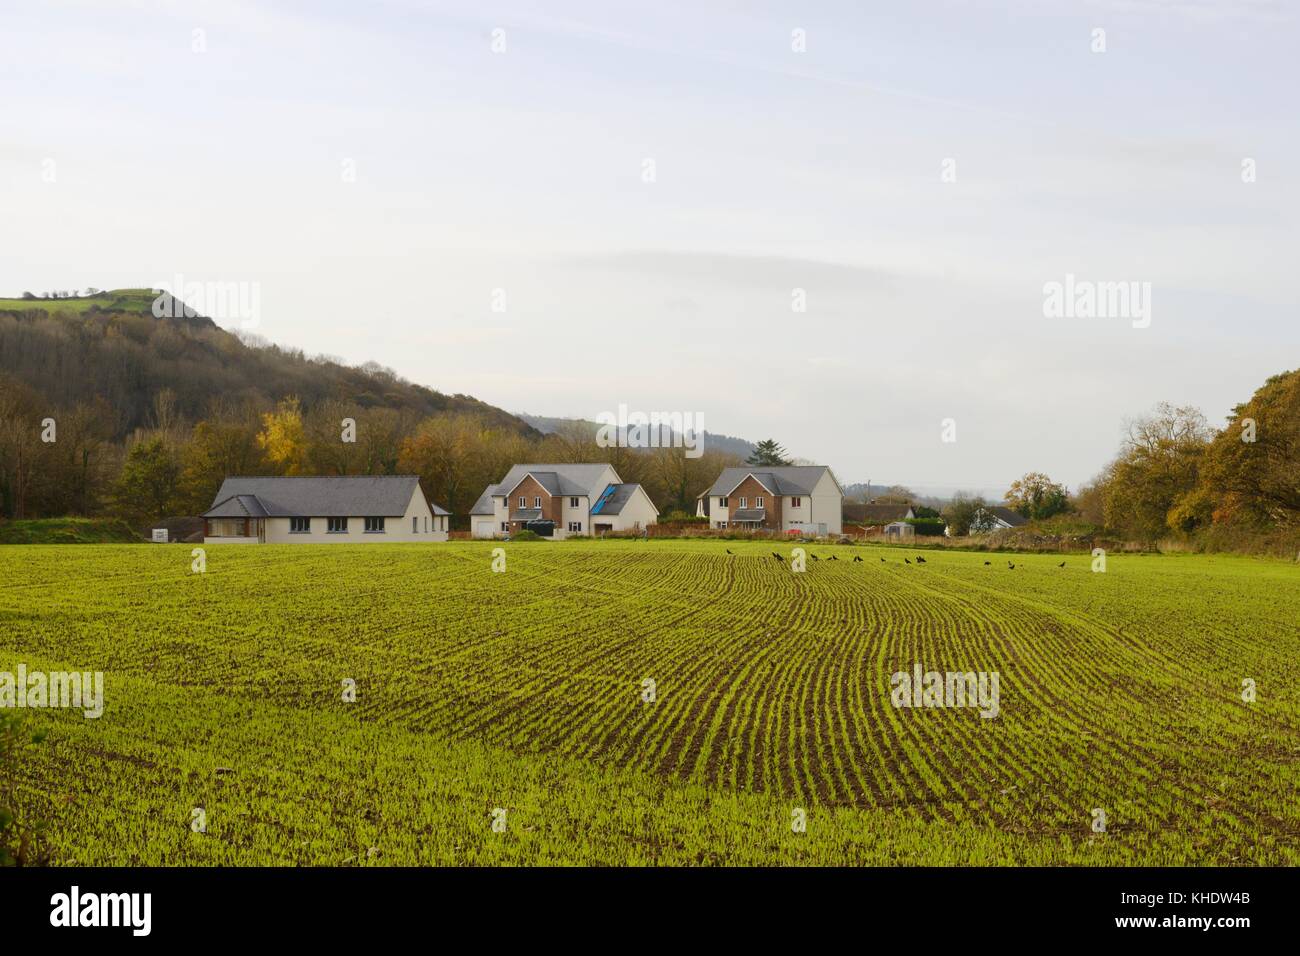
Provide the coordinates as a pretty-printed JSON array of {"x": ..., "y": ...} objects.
[
  {"x": 744, "y": 502},
  {"x": 336, "y": 525},
  {"x": 505, "y": 526},
  {"x": 374, "y": 526},
  {"x": 575, "y": 526},
  {"x": 415, "y": 524},
  {"x": 537, "y": 502},
  {"x": 523, "y": 502},
  {"x": 722, "y": 524},
  {"x": 722, "y": 502},
  {"x": 796, "y": 502},
  {"x": 573, "y": 502},
  {"x": 758, "y": 502},
  {"x": 426, "y": 525},
  {"x": 300, "y": 526}
]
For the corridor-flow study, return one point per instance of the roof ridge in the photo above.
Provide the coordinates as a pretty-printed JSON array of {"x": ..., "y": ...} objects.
[{"x": 318, "y": 495}]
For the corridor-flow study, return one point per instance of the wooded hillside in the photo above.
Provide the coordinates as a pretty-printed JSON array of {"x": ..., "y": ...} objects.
[
  {"x": 106, "y": 410},
  {"x": 110, "y": 346}
]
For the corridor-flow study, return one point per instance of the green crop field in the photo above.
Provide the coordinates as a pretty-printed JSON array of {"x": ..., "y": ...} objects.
[{"x": 1122, "y": 735}]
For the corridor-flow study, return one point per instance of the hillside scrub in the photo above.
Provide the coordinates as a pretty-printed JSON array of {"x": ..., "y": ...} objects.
[{"x": 67, "y": 531}]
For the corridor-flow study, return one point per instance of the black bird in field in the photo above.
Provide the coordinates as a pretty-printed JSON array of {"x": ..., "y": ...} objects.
[
  {"x": 882, "y": 560},
  {"x": 987, "y": 563},
  {"x": 1061, "y": 565},
  {"x": 1011, "y": 566},
  {"x": 814, "y": 557},
  {"x": 832, "y": 558},
  {"x": 857, "y": 558},
  {"x": 778, "y": 557},
  {"x": 728, "y": 551},
  {"x": 920, "y": 560},
  {"x": 905, "y": 561}
]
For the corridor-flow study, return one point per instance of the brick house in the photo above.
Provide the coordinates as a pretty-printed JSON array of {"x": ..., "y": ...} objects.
[
  {"x": 558, "y": 500},
  {"x": 803, "y": 498}
]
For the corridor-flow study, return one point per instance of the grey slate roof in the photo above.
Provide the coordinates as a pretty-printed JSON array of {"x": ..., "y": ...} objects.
[
  {"x": 325, "y": 497},
  {"x": 484, "y": 504},
  {"x": 238, "y": 506},
  {"x": 579, "y": 479},
  {"x": 749, "y": 514},
  {"x": 526, "y": 514},
  {"x": 877, "y": 514},
  {"x": 783, "y": 480},
  {"x": 567, "y": 480},
  {"x": 548, "y": 480},
  {"x": 1011, "y": 517},
  {"x": 613, "y": 505},
  {"x": 438, "y": 511}
]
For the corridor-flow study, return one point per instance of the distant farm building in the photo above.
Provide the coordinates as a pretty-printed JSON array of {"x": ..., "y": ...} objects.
[
  {"x": 998, "y": 518},
  {"x": 890, "y": 520},
  {"x": 994, "y": 518}
]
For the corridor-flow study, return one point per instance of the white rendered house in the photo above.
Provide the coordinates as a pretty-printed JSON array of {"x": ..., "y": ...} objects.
[
  {"x": 323, "y": 510},
  {"x": 559, "y": 500}
]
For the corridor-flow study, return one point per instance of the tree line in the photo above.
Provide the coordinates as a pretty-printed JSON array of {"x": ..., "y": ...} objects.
[
  {"x": 110, "y": 412},
  {"x": 68, "y": 463},
  {"x": 1177, "y": 476}
]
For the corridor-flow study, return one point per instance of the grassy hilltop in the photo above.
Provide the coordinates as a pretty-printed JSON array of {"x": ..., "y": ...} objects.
[{"x": 116, "y": 300}]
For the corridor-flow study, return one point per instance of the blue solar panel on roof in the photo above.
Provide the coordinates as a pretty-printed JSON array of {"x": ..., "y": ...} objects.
[{"x": 609, "y": 493}]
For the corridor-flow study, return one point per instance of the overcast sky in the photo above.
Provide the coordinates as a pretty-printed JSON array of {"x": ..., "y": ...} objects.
[{"x": 225, "y": 155}]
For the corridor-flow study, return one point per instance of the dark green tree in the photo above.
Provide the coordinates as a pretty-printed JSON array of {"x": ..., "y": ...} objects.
[
  {"x": 966, "y": 514},
  {"x": 148, "y": 485},
  {"x": 768, "y": 452},
  {"x": 1037, "y": 496}
]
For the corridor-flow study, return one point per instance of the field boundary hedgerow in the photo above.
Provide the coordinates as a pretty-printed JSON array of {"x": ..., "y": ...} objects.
[{"x": 67, "y": 531}]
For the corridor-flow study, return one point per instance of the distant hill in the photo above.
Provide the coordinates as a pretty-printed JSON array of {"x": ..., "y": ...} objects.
[
  {"x": 723, "y": 443},
  {"x": 110, "y": 345},
  {"x": 932, "y": 496}
]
